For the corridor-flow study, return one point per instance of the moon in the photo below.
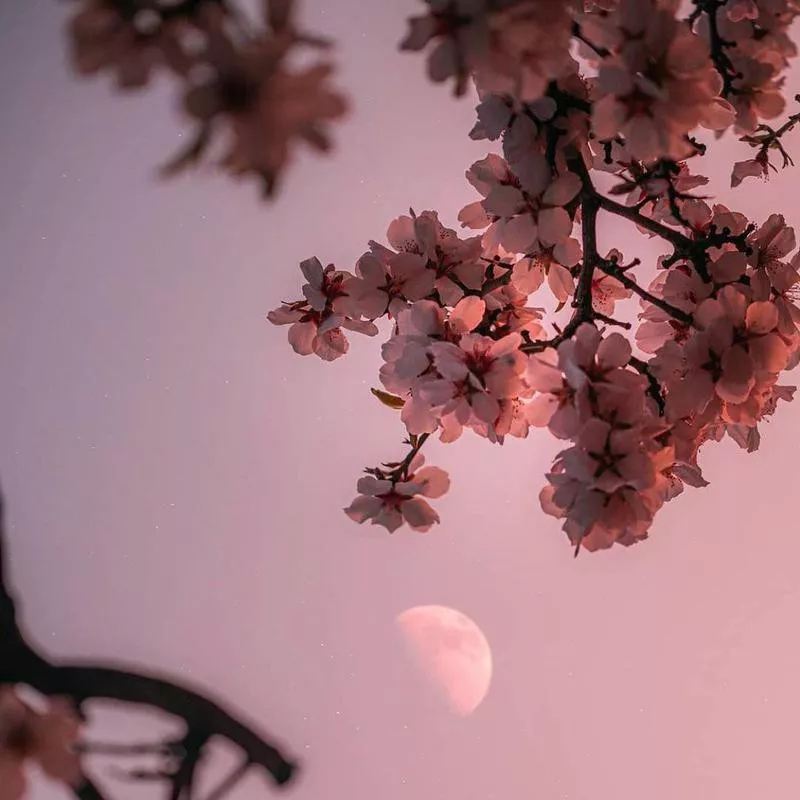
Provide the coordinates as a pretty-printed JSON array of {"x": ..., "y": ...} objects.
[{"x": 451, "y": 652}]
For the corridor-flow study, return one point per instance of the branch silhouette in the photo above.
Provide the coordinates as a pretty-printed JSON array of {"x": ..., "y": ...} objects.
[{"x": 204, "y": 716}]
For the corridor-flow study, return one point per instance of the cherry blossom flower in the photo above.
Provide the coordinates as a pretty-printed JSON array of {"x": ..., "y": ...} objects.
[
  {"x": 659, "y": 85},
  {"x": 129, "y": 39},
  {"x": 772, "y": 242},
  {"x": 780, "y": 284},
  {"x": 554, "y": 263},
  {"x": 45, "y": 738},
  {"x": 757, "y": 167},
  {"x": 530, "y": 44},
  {"x": 387, "y": 284},
  {"x": 513, "y": 312},
  {"x": 517, "y": 221},
  {"x": 664, "y": 199},
  {"x": 475, "y": 375},
  {"x": 606, "y": 290},
  {"x": 463, "y": 32},
  {"x": 760, "y": 51},
  {"x": 266, "y": 107},
  {"x": 515, "y": 47},
  {"x": 553, "y": 404},
  {"x": 390, "y": 501},
  {"x": 455, "y": 262},
  {"x": 409, "y": 359},
  {"x": 608, "y": 486},
  {"x": 737, "y": 351},
  {"x": 317, "y": 322}
]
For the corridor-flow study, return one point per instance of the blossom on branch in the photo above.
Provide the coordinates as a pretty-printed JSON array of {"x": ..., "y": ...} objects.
[
  {"x": 514, "y": 46},
  {"x": 468, "y": 348},
  {"x": 390, "y": 501},
  {"x": 317, "y": 322},
  {"x": 658, "y": 83},
  {"x": 249, "y": 103},
  {"x": 519, "y": 220},
  {"x": 132, "y": 39}
]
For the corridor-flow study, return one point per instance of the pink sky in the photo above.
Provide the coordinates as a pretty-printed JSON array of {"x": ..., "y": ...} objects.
[{"x": 176, "y": 474}]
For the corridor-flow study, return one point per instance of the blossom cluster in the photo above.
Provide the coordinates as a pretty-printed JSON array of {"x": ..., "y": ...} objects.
[
  {"x": 658, "y": 76},
  {"x": 576, "y": 94},
  {"x": 471, "y": 347},
  {"x": 468, "y": 351}
]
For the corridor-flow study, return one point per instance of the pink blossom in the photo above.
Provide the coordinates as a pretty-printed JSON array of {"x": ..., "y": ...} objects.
[
  {"x": 553, "y": 263},
  {"x": 513, "y": 312},
  {"x": 553, "y": 404},
  {"x": 133, "y": 47},
  {"x": 659, "y": 85},
  {"x": 408, "y": 356},
  {"x": 517, "y": 220},
  {"x": 606, "y": 290},
  {"x": 455, "y": 262},
  {"x": 317, "y": 322},
  {"x": 390, "y": 501},
  {"x": 506, "y": 47},
  {"x": 772, "y": 242},
  {"x": 475, "y": 375},
  {"x": 530, "y": 47},
  {"x": 387, "y": 284},
  {"x": 608, "y": 486},
  {"x": 589, "y": 357},
  {"x": 655, "y": 194},
  {"x": 780, "y": 283},
  {"x": 263, "y": 107},
  {"x": 757, "y": 167},
  {"x": 728, "y": 362},
  {"x": 682, "y": 288}
]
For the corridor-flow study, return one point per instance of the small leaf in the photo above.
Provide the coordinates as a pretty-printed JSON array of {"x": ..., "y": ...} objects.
[{"x": 390, "y": 400}]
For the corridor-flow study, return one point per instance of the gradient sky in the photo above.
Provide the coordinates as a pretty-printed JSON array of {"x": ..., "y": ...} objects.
[{"x": 175, "y": 474}]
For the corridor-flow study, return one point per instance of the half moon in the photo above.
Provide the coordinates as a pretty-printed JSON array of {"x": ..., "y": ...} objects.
[{"x": 451, "y": 652}]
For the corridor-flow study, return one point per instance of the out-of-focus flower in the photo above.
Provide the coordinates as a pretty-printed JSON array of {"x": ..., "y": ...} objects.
[
  {"x": 46, "y": 739},
  {"x": 131, "y": 39},
  {"x": 264, "y": 106}
]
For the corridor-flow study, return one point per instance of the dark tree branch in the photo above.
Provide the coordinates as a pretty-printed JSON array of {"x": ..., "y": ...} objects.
[
  {"x": 654, "y": 386},
  {"x": 675, "y": 238},
  {"x": 204, "y": 716},
  {"x": 768, "y": 138},
  {"x": 717, "y": 44},
  {"x": 88, "y": 791},
  {"x": 616, "y": 272},
  {"x": 602, "y": 52},
  {"x": 228, "y": 783},
  {"x": 582, "y": 301}
]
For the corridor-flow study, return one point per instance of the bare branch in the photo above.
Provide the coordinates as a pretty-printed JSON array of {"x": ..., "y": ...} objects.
[{"x": 204, "y": 716}]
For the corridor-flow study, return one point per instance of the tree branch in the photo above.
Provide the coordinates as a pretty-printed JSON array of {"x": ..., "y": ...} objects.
[
  {"x": 717, "y": 44},
  {"x": 203, "y": 715},
  {"x": 630, "y": 283},
  {"x": 654, "y": 385},
  {"x": 88, "y": 791},
  {"x": 675, "y": 238}
]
